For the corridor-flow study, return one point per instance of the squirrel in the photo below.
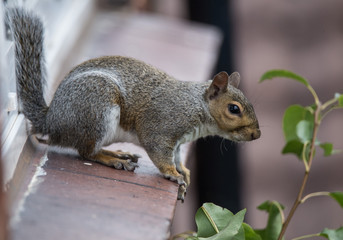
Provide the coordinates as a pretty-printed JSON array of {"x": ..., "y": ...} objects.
[{"x": 120, "y": 99}]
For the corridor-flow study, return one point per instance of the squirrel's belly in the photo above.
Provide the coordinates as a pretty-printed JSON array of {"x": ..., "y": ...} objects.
[{"x": 113, "y": 132}]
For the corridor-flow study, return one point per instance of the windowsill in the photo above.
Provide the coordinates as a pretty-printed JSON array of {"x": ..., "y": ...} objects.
[{"x": 61, "y": 196}]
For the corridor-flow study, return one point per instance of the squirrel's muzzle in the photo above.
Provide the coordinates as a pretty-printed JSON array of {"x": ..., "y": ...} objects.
[{"x": 256, "y": 134}]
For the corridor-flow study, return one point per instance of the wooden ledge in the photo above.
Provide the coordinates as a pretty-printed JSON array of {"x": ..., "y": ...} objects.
[{"x": 67, "y": 197}]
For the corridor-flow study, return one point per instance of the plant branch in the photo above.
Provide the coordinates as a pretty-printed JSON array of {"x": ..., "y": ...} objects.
[
  {"x": 329, "y": 106},
  {"x": 315, "y": 131},
  {"x": 295, "y": 206},
  {"x": 329, "y": 110},
  {"x": 316, "y": 194},
  {"x": 298, "y": 200}
]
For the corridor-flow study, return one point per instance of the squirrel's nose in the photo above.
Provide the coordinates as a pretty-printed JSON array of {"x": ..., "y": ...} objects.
[{"x": 256, "y": 134}]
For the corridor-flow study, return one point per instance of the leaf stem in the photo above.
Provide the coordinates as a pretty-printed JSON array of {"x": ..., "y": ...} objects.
[
  {"x": 316, "y": 194},
  {"x": 298, "y": 200},
  {"x": 304, "y": 157},
  {"x": 307, "y": 236},
  {"x": 277, "y": 204},
  {"x": 183, "y": 235},
  {"x": 328, "y": 103},
  {"x": 315, "y": 96}
]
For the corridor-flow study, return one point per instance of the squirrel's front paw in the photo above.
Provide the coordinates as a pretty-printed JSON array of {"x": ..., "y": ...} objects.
[
  {"x": 182, "y": 193},
  {"x": 169, "y": 171},
  {"x": 182, "y": 185},
  {"x": 176, "y": 178}
]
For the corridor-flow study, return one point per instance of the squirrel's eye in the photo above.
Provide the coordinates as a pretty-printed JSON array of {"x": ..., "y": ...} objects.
[{"x": 234, "y": 109}]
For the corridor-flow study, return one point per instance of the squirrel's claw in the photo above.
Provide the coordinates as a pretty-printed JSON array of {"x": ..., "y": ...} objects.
[
  {"x": 135, "y": 157},
  {"x": 181, "y": 193},
  {"x": 182, "y": 185},
  {"x": 128, "y": 165}
]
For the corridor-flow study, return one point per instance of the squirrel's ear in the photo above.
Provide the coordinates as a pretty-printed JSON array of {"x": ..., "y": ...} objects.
[
  {"x": 234, "y": 79},
  {"x": 218, "y": 85}
]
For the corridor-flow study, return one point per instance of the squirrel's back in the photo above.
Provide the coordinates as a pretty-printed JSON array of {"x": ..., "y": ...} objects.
[{"x": 144, "y": 92}]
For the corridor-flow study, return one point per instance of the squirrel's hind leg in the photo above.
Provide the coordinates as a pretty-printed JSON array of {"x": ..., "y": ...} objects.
[
  {"x": 108, "y": 158},
  {"x": 118, "y": 160},
  {"x": 122, "y": 155}
]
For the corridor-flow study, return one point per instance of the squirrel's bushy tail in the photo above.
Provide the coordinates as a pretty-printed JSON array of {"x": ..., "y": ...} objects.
[{"x": 27, "y": 33}]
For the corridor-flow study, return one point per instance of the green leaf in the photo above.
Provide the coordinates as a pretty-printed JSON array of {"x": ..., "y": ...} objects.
[
  {"x": 338, "y": 196},
  {"x": 340, "y": 100},
  {"x": 295, "y": 147},
  {"x": 275, "y": 220},
  {"x": 332, "y": 234},
  {"x": 267, "y": 204},
  {"x": 210, "y": 219},
  {"x": 233, "y": 229},
  {"x": 328, "y": 149},
  {"x": 293, "y": 115},
  {"x": 304, "y": 130},
  {"x": 215, "y": 222},
  {"x": 239, "y": 236},
  {"x": 191, "y": 238},
  {"x": 250, "y": 234},
  {"x": 206, "y": 216},
  {"x": 284, "y": 74},
  {"x": 298, "y": 148}
]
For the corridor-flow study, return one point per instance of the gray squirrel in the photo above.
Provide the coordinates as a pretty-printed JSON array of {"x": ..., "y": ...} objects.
[{"x": 121, "y": 99}]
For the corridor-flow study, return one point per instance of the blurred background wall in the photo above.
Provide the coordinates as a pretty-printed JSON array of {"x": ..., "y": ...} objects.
[
  {"x": 305, "y": 37},
  {"x": 302, "y": 36}
]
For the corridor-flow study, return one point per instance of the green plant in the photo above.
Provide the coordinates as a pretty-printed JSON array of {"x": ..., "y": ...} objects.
[{"x": 300, "y": 128}]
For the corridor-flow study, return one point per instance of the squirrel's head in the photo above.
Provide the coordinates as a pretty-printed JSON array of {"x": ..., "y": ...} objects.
[{"x": 234, "y": 114}]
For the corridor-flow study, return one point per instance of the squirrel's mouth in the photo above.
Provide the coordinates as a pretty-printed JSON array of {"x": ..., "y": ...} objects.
[
  {"x": 256, "y": 134},
  {"x": 244, "y": 135}
]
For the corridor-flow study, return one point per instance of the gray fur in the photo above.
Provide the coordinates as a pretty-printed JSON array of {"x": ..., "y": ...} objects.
[
  {"x": 27, "y": 32},
  {"x": 147, "y": 105},
  {"x": 150, "y": 100}
]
